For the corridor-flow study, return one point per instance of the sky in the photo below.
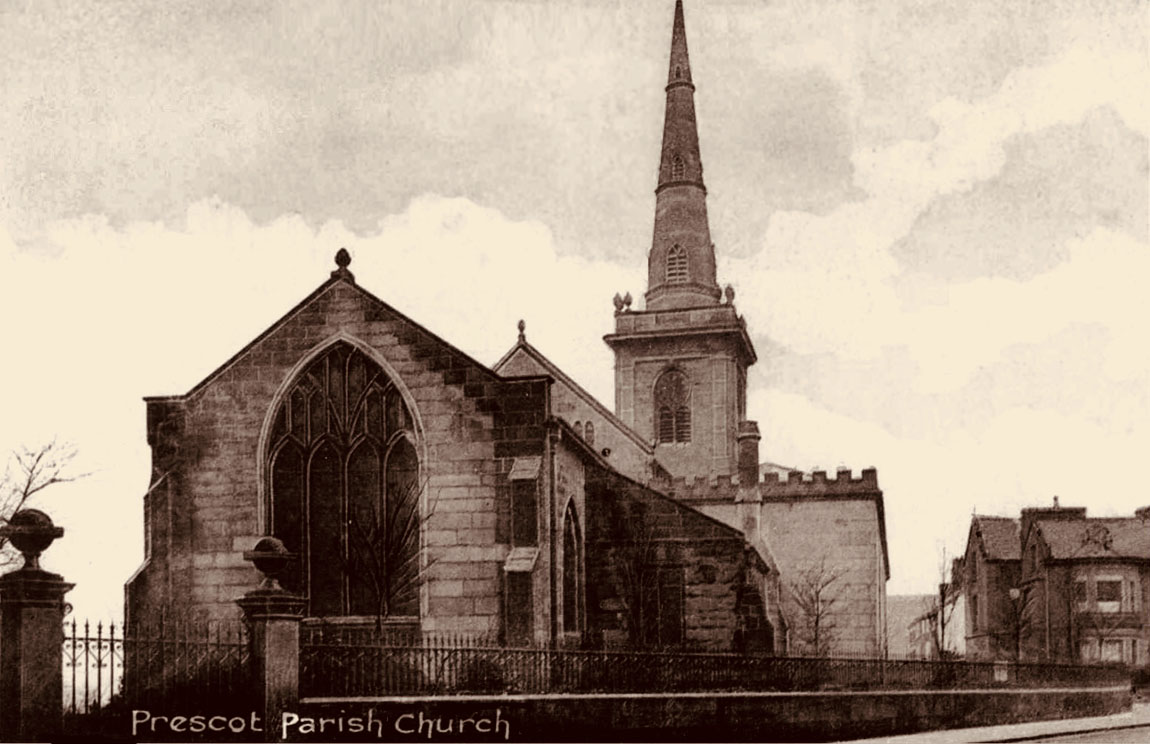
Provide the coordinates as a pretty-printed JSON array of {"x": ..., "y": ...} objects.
[{"x": 934, "y": 216}]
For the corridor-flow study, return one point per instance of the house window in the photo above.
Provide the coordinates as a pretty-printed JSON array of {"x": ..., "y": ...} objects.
[
  {"x": 676, "y": 265},
  {"x": 1111, "y": 649},
  {"x": 1080, "y": 594},
  {"x": 572, "y": 594},
  {"x": 673, "y": 407},
  {"x": 343, "y": 486},
  {"x": 1109, "y": 593}
]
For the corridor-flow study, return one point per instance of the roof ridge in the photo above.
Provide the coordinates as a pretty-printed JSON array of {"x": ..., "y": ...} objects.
[{"x": 579, "y": 390}]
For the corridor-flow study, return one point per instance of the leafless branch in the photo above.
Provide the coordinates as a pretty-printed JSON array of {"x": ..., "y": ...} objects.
[
  {"x": 28, "y": 473},
  {"x": 816, "y": 590}
]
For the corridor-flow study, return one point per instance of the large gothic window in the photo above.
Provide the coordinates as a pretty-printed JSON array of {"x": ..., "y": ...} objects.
[
  {"x": 672, "y": 407},
  {"x": 344, "y": 488},
  {"x": 676, "y": 265}
]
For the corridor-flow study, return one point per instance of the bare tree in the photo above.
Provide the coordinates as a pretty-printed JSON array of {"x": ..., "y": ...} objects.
[
  {"x": 1098, "y": 627},
  {"x": 1021, "y": 609},
  {"x": 939, "y": 609},
  {"x": 633, "y": 571},
  {"x": 384, "y": 550},
  {"x": 27, "y": 474},
  {"x": 816, "y": 591}
]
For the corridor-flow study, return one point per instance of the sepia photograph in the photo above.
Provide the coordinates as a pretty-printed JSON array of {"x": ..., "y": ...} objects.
[{"x": 574, "y": 370}]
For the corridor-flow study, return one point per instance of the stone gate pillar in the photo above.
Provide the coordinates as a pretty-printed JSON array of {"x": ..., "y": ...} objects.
[
  {"x": 273, "y": 616},
  {"x": 31, "y": 634}
]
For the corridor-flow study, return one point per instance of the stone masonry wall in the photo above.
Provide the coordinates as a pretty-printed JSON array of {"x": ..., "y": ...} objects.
[
  {"x": 710, "y": 365},
  {"x": 469, "y": 426},
  {"x": 715, "y": 560},
  {"x": 801, "y": 532}
]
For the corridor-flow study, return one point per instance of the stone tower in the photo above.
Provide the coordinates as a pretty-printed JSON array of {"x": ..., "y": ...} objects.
[{"x": 681, "y": 363}]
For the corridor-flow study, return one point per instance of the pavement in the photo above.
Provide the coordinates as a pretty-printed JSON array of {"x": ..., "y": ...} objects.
[{"x": 1133, "y": 726}]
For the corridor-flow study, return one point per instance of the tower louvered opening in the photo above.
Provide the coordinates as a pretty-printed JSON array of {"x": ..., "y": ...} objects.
[{"x": 676, "y": 265}]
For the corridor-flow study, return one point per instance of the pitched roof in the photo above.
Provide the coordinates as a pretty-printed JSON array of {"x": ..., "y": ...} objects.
[
  {"x": 1098, "y": 537},
  {"x": 341, "y": 276},
  {"x": 560, "y": 376},
  {"x": 1000, "y": 537}
]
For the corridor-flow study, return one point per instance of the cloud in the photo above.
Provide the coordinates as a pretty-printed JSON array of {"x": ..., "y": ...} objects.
[
  {"x": 103, "y": 315},
  {"x": 846, "y": 255}
]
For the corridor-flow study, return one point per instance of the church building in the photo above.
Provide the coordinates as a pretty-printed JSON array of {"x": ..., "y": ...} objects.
[{"x": 419, "y": 488}]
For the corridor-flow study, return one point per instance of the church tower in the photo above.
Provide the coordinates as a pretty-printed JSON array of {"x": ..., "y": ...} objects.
[{"x": 681, "y": 363}]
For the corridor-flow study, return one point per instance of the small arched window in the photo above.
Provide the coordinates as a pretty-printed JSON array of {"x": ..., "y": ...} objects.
[
  {"x": 572, "y": 586},
  {"x": 676, "y": 265},
  {"x": 672, "y": 407},
  {"x": 589, "y": 433},
  {"x": 678, "y": 168}
]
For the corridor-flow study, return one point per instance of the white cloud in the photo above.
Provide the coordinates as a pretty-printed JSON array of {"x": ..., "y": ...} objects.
[
  {"x": 105, "y": 315},
  {"x": 843, "y": 259}
]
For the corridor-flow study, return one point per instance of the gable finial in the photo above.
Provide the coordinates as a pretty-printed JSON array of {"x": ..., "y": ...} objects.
[
  {"x": 522, "y": 328},
  {"x": 342, "y": 261}
]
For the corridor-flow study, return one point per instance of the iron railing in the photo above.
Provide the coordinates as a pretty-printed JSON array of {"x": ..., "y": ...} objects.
[
  {"x": 363, "y": 669},
  {"x": 166, "y": 666}
]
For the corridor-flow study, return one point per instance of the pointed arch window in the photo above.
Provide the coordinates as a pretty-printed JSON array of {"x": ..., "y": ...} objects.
[
  {"x": 343, "y": 487},
  {"x": 572, "y": 584},
  {"x": 678, "y": 168},
  {"x": 589, "y": 433},
  {"x": 672, "y": 407},
  {"x": 676, "y": 265}
]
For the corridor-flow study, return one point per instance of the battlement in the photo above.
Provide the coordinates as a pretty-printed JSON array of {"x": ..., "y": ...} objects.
[
  {"x": 817, "y": 483},
  {"x": 775, "y": 485}
]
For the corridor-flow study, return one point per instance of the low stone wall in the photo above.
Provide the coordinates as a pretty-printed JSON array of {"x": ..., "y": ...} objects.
[{"x": 777, "y": 716}]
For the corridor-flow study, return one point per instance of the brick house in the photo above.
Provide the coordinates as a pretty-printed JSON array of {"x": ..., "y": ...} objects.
[
  {"x": 1085, "y": 582},
  {"x": 991, "y": 569},
  {"x": 417, "y": 485}
]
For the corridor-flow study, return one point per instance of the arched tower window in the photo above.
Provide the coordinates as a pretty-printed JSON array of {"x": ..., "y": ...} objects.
[
  {"x": 589, "y": 433},
  {"x": 676, "y": 265},
  {"x": 572, "y": 586},
  {"x": 672, "y": 407},
  {"x": 678, "y": 168},
  {"x": 344, "y": 488}
]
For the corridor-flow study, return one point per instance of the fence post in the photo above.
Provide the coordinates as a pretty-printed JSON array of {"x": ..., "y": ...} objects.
[
  {"x": 273, "y": 615},
  {"x": 31, "y": 634}
]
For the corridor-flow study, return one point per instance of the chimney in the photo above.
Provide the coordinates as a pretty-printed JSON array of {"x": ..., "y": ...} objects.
[
  {"x": 1048, "y": 513},
  {"x": 748, "y": 449}
]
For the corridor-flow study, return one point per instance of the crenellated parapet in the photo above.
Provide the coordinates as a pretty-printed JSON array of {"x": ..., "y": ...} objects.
[
  {"x": 794, "y": 484},
  {"x": 816, "y": 483}
]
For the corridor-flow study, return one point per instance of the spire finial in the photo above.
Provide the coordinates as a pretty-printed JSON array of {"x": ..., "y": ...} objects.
[
  {"x": 681, "y": 232},
  {"x": 679, "y": 72},
  {"x": 522, "y": 330},
  {"x": 342, "y": 261}
]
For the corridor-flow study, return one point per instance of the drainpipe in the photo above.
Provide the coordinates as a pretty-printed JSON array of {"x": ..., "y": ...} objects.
[
  {"x": 553, "y": 434},
  {"x": 1046, "y": 601}
]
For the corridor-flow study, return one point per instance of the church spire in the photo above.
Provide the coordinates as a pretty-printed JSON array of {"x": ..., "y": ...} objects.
[{"x": 681, "y": 264}]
